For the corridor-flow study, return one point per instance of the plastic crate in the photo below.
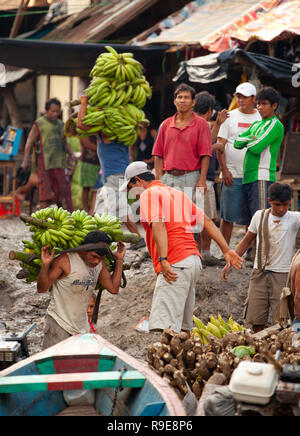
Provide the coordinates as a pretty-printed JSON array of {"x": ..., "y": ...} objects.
[
  {"x": 7, "y": 208},
  {"x": 11, "y": 143}
]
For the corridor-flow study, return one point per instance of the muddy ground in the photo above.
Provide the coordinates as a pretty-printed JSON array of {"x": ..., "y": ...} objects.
[{"x": 21, "y": 306}]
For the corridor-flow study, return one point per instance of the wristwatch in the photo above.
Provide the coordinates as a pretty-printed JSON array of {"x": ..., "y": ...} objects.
[{"x": 162, "y": 258}]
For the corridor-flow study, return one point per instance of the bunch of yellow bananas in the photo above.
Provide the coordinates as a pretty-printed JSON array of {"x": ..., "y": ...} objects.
[
  {"x": 116, "y": 95},
  {"x": 216, "y": 327}
]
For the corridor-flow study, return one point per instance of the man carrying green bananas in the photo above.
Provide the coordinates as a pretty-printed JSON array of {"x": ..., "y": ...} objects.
[
  {"x": 73, "y": 278},
  {"x": 114, "y": 159}
]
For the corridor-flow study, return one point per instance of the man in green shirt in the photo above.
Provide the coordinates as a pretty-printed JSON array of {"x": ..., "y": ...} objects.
[
  {"x": 262, "y": 140},
  {"x": 47, "y": 139}
]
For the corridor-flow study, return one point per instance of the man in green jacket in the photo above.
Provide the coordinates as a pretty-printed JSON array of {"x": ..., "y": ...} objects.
[{"x": 263, "y": 140}]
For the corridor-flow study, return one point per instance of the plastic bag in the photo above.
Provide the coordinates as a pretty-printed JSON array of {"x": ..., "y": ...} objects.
[
  {"x": 79, "y": 397},
  {"x": 220, "y": 403}
]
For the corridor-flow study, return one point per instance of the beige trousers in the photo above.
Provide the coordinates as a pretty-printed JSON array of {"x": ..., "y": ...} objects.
[{"x": 173, "y": 304}]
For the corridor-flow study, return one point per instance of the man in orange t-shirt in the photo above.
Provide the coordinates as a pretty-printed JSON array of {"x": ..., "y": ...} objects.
[{"x": 168, "y": 217}]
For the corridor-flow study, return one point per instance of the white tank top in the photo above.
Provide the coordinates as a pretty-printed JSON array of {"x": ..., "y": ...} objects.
[{"x": 71, "y": 296}]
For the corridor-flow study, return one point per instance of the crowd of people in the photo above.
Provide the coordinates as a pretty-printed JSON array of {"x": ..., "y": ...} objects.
[{"x": 172, "y": 175}]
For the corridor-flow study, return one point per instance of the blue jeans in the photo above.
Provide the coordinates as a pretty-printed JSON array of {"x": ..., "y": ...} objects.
[
  {"x": 254, "y": 197},
  {"x": 231, "y": 200}
]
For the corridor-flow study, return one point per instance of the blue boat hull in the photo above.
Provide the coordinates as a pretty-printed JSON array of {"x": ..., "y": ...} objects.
[{"x": 51, "y": 371}]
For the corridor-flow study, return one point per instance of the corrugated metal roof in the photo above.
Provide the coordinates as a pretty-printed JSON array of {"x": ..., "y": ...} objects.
[
  {"x": 170, "y": 21},
  {"x": 209, "y": 17},
  {"x": 6, "y": 5},
  {"x": 95, "y": 24},
  {"x": 281, "y": 21}
]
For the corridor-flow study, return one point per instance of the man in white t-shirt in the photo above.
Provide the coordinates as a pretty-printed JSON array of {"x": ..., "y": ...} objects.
[
  {"x": 276, "y": 231},
  {"x": 231, "y": 162}
]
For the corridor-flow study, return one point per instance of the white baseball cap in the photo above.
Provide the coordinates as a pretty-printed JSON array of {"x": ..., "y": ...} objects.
[
  {"x": 134, "y": 169},
  {"x": 246, "y": 89}
]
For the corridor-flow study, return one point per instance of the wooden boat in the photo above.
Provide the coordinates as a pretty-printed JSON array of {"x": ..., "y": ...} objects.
[{"x": 121, "y": 384}]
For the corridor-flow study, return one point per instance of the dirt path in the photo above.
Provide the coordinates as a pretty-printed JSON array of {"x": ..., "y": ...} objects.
[{"x": 21, "y": 306}]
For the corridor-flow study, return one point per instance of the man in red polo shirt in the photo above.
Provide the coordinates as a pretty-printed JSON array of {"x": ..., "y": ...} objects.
[
  {"x": 183, "y": 147},
  {"x": 168, "y": 217}
]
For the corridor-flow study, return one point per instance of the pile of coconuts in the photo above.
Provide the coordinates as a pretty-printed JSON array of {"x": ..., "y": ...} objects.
[{"x": 181, "y": 360}]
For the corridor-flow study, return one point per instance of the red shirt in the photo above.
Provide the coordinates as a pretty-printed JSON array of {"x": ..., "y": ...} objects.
[
  {"x": 179, "y": 214},
  {"x": 182, "y": 149}
]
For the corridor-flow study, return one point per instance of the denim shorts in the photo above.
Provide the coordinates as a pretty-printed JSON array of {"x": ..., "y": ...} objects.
[
  {"x": 254, "y": 197},
  {"x": 231, "y": 200},
  {"x": 99, "y": 182}
]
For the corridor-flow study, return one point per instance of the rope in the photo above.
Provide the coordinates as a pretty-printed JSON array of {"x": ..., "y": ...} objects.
[{"x": 118, "y": 389}]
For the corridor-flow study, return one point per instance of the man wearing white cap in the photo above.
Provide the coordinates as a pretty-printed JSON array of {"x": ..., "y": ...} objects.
[
  {"x": 168, "y": 216},
  {"x": 231, "y": 162}
]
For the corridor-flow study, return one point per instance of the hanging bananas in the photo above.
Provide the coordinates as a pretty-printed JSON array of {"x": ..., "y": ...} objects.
[{"x": 117, "y": 93}]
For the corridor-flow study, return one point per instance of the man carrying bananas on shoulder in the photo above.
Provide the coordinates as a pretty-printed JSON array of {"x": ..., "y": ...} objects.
[
  {"x": 114, "y": 158},
  {"x": 73, "y": 277}
]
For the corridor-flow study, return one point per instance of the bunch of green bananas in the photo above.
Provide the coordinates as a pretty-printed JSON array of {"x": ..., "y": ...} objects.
[
  {"x": 116, "y": 95},
  {"x": 53, "y": 227},
  {"x": 121, "y": 67},
  {"x": 83, "y": 224},
  {"x": 216, "y": 327},
  {"x": 59, "y": 230},
  {"x": 110, "y": 225},
  {"x": 122, "y": 124},
  {"x": 106, "y": 92}
]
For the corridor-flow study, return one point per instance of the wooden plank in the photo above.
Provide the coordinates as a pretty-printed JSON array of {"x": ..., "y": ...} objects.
[
  {"x": 60, "y": 382},
  {"x": 266, "y": 332},
  {"x": 107, "y": 359},
  {"x": 77, "y": 363},
  {"x": 288, "y": 393},
  {"x": 79, "y": 411},
  {"x": 46, "y": 366}
]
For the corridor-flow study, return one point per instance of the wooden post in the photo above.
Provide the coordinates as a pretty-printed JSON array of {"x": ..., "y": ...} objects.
[
  {"x": 48, "y": 86},
  {"x": 19, "y": 18},
  {"x": 71, "y": 86},
  {"x": 12, "y": 106},
  {"x": 272, "y": 49}
]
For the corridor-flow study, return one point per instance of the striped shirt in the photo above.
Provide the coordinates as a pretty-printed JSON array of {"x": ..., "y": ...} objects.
[{"x": 262, "y": 140}]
